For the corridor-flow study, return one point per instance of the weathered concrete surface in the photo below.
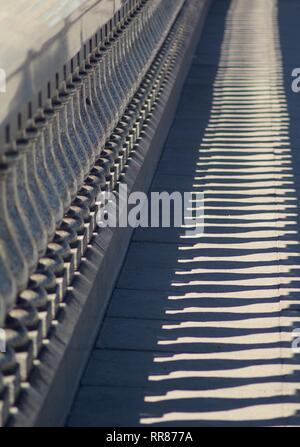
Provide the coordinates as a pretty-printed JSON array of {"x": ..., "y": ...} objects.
[{"x": 199, "y": 331}]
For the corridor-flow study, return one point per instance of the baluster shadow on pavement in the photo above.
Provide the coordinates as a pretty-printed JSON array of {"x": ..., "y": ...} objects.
[{"x": 199, "y": 331}]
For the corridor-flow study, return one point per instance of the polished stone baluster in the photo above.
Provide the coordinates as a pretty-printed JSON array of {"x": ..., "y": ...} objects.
[
  {"x": 35, "y": 182},
  {"x": 132, "y": 50},
  {"x": 122, "y": 74},
  {"x": 8, "y": 287},
  {"x": 128, "y": 62},
  {"x": 82, "y": 131},
  {"x": 17, "y": 217},
  {"x": 88, "y": 98},
  {"x": 106, "y": 86},
  {"x": 86, "y": 123},
  {"x": 115, "y": 77},
  {"x": 75, "y": 171},
  {"x": 53, "y": 157},
  {"x": 10, "y": 249},
  {"x": 145, "y": 46},
  {"x": 68, "y": 95},
  {"x": 141, "y": 53},
  {"x": 100, "y": 102},
  {"x": 45, "y": 173},
  {"x": 27, "y": 202},
  {"x": 124, "y": 67}
]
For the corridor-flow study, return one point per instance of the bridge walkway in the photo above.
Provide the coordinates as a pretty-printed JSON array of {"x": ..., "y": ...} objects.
[{"x": 200, "y": 328}]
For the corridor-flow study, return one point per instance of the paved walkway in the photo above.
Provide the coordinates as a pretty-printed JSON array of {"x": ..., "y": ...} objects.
[{"x": 199, "y": 331}]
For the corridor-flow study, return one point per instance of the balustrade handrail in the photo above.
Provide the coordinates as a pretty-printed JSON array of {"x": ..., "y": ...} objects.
[{"x": 38, "y": 41}]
